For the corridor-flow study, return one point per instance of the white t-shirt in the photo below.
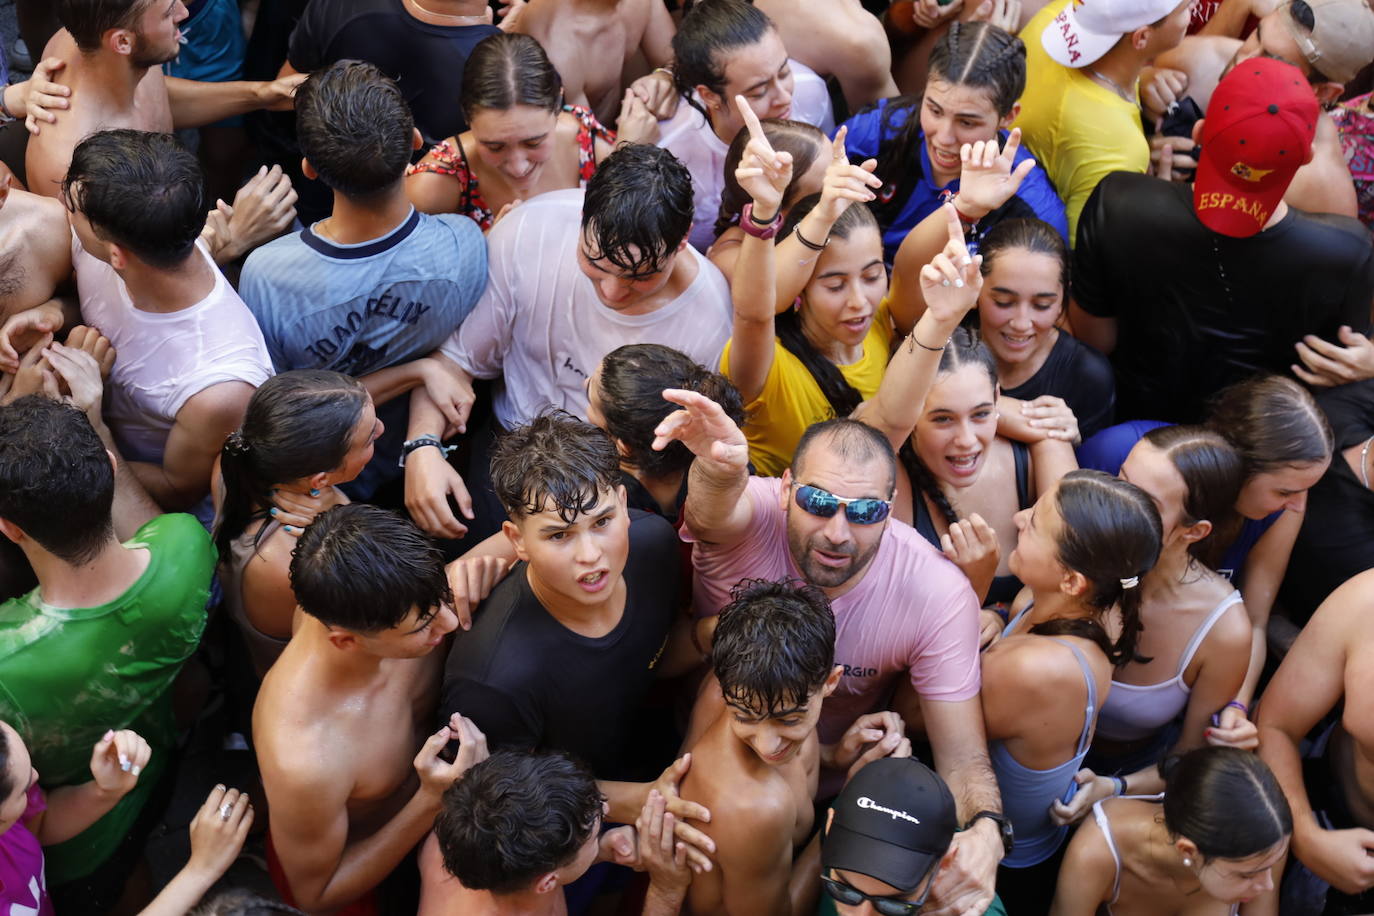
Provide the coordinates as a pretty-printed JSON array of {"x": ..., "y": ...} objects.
[
  {"x": 541, "y": 328},
  {"x": 165, "y": 358},
  {"x": 689, "y": 137}
]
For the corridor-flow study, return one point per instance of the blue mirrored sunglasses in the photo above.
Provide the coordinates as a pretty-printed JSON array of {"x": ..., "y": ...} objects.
[{"x": 863, "y": 511}]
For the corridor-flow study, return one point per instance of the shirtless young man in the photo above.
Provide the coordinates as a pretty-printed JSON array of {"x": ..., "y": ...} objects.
[
  {"x": 1332, "y": 795},
  {"x": 595, "y": 45},
  {"x": 1330, "y": 41},
  {"x": 35, "y": 263},
  {"x": 342, "y": 714},
  {"x": 114, "y": 53},
  {"x": 756, "y": 767}
]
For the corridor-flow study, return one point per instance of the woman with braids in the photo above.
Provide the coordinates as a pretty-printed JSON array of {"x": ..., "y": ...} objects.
[
  {"x": 1195, "y": 646},
  {"x": 1208, "y": 847},
  {"x": 722, "y": 49},
  {"x": 625, "y": 398},
  {"x": 521, "y": 139},
  {"x": 977, "y": 72},
  {"x": 304, "y": 432},
  {"x": 1285, "y": 445},
  {"x": 962, "y": 483},
  {"x": 1026, "y": 278},
  {"x": 1081, "y": 551}
]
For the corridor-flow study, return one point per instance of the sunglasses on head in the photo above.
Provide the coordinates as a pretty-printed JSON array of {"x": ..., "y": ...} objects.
[
  {"x": 863, "y": 511},
  {"x": 887, "y": 906}
]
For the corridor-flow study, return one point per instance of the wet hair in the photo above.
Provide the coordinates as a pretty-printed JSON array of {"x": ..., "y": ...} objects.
[
  {"x": 1273, "y": 422},
  {"x": 853, "y": 440},
  {"x": 514, "y": 817},
  {"x": 240, "y": 901},
  {"x": 965, "y": 348},
  {"x": 140, "y": 190},
  {"x": 708, "y": 32},
  {"x": 1111, "y": 531},
  {"x": 89, "y": 20},
  {"x": 1021, "y": 234},
  {"x": 56, "y": 482},
  {"x": 977, "y": 55},
  {"x": 297, "y": 424},
  {"x": 1226, "y": 801},
  {"x": 508, "y": 69},
  {"x": 802, "y": 141},
  {"x": 1212, "y": 472},
  {"x": 842, "y": 397},
  {"x": 633, "y": 378},
  {"x": 774, "y": 646},
  {"x": 637, "y": 209},
  {"x": 355, "y": 128},
  {"x": 364, "y": 569},
  {"x": 555, "y": 458}
]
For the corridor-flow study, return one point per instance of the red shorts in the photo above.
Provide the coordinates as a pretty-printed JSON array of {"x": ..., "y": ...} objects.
[{"x": 365, "y": 905}]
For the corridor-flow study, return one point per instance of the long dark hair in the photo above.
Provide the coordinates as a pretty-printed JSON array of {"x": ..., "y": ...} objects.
[
  {"x": 297, "y": 423},
  {"x": 803, "y": 141},
  {"x": 1111, "y": 534},
  {"x": 965, "y": 348},
  {"x": 973, "y": 54},
  {"x": 709, "y": 28},
  {"x": 509, "y": 69},
  {"x": 1212, "y": 472},
  {"x": 631, "y": 391},
  {"x": 1226, "y": 801},
  {"x": 843, "y": 397}
]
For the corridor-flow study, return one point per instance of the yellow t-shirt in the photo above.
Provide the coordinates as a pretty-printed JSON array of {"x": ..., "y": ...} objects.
[
  {"x": 1078, "y": 129},
  {"x": 791, "y": 399}
]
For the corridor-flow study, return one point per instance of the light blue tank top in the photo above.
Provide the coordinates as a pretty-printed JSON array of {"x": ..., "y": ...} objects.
[{"x": 1028, "y": 794}]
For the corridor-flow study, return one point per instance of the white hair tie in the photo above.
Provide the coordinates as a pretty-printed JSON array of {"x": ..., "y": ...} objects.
[{"x": 1130, "y": 582}]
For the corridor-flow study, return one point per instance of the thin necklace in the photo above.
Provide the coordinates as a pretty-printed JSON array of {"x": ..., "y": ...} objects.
[
  {"x": 1128, "y": 96},
  {"x": 1364, "y": 465},
  {"x": 480, "y": 19}
]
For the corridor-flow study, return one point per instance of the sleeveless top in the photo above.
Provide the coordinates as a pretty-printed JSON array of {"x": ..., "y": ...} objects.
[
  {"x": 1135, "y": 711},
  {"x": 449, "y": 159},
  {"x": 1004, "y": 588},
  {"x": 1028, "y": 794},
  {"x": 262, "y": 648},
  {"x": 1105, "y": 826}
]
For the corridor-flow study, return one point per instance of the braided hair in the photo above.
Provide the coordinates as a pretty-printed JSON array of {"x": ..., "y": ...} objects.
[
  {"x": 974, "y": 54},
  {"x": 965, "y": 348}
]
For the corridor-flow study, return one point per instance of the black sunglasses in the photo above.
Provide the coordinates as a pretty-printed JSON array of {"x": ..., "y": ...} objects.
[
  {"x": 863, "y": 511},
  {"x": 887, "y": 906}
]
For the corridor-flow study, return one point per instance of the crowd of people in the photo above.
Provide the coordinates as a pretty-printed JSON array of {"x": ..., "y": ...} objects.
[{"x": 761, "y": 459}]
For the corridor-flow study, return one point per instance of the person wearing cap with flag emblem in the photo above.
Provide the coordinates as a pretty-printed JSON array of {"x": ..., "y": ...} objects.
[
  {"x": 885, "y": 837},
  {"x": 1080, "y": 114},
  {"x": 1330, "y": 41},
  {"x": 1191, "y": 290}
]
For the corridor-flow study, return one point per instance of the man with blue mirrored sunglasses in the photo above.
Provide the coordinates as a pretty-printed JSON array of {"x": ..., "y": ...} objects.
[{"x": 905, "y": 616}]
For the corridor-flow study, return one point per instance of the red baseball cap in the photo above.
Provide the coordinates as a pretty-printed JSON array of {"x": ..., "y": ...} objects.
[{"x": 1256, "y": 135}]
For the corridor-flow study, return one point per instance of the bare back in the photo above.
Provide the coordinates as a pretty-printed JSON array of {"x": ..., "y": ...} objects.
[{"x": 97, "y": 104}]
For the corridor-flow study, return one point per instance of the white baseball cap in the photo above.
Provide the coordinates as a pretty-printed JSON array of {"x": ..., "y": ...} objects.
[{"x": 1086, "y": 29}]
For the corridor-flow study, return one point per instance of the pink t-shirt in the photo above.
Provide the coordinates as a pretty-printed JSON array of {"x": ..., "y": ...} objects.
[
  {"x": 913, "y": 610},
  {"x": 23, "y": 891}
]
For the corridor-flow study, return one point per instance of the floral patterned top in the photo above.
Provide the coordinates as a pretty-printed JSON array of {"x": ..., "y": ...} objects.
[
  {"x": 1355, "y": 120},
  {"x": 447, "y": 158}
]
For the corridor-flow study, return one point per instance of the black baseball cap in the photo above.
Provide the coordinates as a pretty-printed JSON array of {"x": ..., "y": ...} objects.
[{"x": 893, "y": 821}]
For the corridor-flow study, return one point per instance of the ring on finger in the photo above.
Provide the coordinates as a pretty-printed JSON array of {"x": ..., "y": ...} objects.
[{"x": 225, "y": 810}]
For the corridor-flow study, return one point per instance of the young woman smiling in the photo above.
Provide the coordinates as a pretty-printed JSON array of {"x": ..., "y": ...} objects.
[
  {"x": 977, "y": 72},
  {"x": 522, "y": 140}
]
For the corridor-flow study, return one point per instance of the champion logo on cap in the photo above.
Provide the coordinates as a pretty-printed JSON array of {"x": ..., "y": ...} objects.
[
  {"x": 866, "y": 802},
  {"x": 1243, "y": 171}
]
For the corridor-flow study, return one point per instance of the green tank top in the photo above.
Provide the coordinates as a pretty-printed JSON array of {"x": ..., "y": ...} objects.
[{"x": 69, "y": 674}]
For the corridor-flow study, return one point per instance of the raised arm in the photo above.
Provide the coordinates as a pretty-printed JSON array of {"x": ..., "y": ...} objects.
[
  {"x": 195, "y": 103},
  {"x": 716, "y": 509},
  {"x": 950, "y": 284},
  {"x": 987, "y": 180},
  {"x": 1306, "y": 687}
]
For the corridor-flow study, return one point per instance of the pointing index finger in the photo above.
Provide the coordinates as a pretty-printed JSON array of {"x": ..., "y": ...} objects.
[
  {"x": 751, "y": 121},
  {"x": 837, "y": 145}
]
